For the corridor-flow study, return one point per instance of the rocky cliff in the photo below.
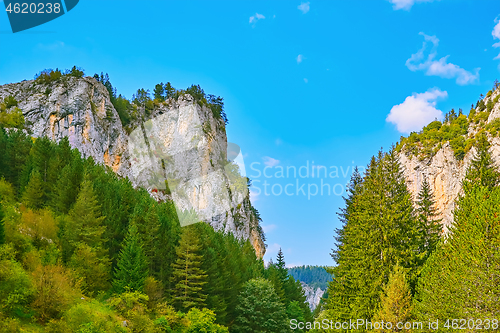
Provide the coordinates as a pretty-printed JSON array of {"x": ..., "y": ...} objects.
[
  {"x": 443, "y": 170},
  {"x": 178, "y": 152},
  {"x": 313, "y": 296}
]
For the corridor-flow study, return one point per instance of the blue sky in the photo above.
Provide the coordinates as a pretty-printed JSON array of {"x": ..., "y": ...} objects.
[{"x": 323, "y": 83}]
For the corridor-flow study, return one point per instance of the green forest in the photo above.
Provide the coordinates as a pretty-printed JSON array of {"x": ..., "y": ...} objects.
[
  {"x": 314, "y": 276},
  {"x": 394, "y": 263},
  {"x": 82, "y": 251}
]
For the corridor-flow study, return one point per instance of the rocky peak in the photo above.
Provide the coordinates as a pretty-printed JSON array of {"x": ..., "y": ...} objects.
[
  {"x": 443, "y": 170},
  {"x": 190, "y": 140}
]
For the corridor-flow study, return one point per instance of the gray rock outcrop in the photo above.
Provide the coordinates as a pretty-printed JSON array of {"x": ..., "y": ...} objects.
[
  {"x": 313, "y": 296},
  {"x": 444, "y": 172},
  {"x": 193, "y": 157}
]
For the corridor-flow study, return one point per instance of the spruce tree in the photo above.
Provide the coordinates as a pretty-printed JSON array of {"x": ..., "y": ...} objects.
[
  {"x": 482, "y": 168},
  {"x": 395, "y": 300},
  {"x": 187, "y": 276},
  {"x": 461, "y": 279},
  {"x": 430, "y": 227},
  {"x": 33, "y": 193},
  {"x": 380, "y": 230},
  {"x": 132, "y": 266},
  {"x": 84, "y": 223}
]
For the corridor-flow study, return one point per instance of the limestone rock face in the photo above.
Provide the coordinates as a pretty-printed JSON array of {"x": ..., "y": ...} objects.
[
  {"x": 444, "y": 172},
  {"x": 182, "y": 143},
  {"x": 313, "y": 296}
]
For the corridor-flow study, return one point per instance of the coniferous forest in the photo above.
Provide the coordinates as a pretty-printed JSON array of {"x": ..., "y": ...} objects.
[
  {"x": 396, "y": 264},
  {"x": 81, "y": 250}
]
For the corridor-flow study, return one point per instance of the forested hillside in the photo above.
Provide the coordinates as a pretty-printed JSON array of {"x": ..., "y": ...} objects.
[
  {"x": 392, "y": 263},
  {"x": 81, "y": 250},
  {"x": 313, "y": 276}
]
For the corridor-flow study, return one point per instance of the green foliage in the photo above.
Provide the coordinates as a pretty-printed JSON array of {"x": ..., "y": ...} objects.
[
  {"x": 132, "y": 269},
  {"x": 10, "y": 101},
  {"x": 70, "y": 238},
  {"x": 379, "y": 229},
  {"x": 260, "y": 309},
  {"x": 203, "y": 321},
  {"x": 75, "y": 72},
  {"x": 482, "y": 169},
  {"x": 48, "y": 76},
  {"x": 187, "y": 276},
  {"x": 16, "y": 286},
  {"x": 13, "y": 118},
  {"x": 395, "y": 301},
  {"x": 429, "y": 226},
  {"x": 460, "y": 280}
]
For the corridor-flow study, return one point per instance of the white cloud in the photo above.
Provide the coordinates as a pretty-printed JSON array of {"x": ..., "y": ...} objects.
[
  {"x": 270, "y": 162},
  {"x": 294, "y": 265},
  {"x": 405, "y": 4},
  {"x": 416, "y": 111},
  {"x": 255, "y": 18},
  {"x": 300, "y": 58},
  {"x": 269, "y": 228},
  {"x": 441, "y": 67},
  {"x": 254, "y": 196},
  {"x": 496, "y": 35},
  {"x": 304, "y": 7}
]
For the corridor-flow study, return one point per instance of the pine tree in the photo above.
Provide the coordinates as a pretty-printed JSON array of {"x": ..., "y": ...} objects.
[
  {"x": 482, "y": 168},
  {"x": 380, "y": 231},
  {"x": 159, "y": 92},
  {"x": 187, "y": 276},
  {"x": 33, "y": 193},
  {"x": 84, "y": 223},
  {"x": 461, "y": 279},
  {"x": 259, "y": 309},
  {"x": 132, "y": 267},
  {"x": 169, "y": 90},
  {"x": 395, "y": 301},
  {"x": 430, "y": 227}
]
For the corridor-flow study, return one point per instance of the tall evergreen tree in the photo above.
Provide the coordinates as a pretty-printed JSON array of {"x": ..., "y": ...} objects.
[
  {"x": 461, "y": 279},
  {"x": 84, "y": 223},
  {"x": 380, "y": 231},
  {"x": 132, "y": 267},
  {"x": 187, "y": 276},
  {"x": 430, "y": 228},
  {"x": 33, "y": 193},
  {"x": 159, "y": 92},
  {"x": 395, "y": 301},
  {"x": 482, "y": 168}
]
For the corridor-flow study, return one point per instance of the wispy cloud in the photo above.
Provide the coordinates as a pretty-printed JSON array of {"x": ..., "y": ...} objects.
[
  {"x": 416, "y": 111},
  {"x": 270, "y": 162},
  {"x": 405, "y": 4},
  {"x": 496, "y": 34},
  {"x": 304, "y": 7},
  {"x": 300, "y": 58},
  {"x": 51, "y": 46},
  {"x": 253, "y": 19},
  {"x": 426, "y": 61},
  {"x": 306, "y": 80},
  {"x": 278, "y": 142}
]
